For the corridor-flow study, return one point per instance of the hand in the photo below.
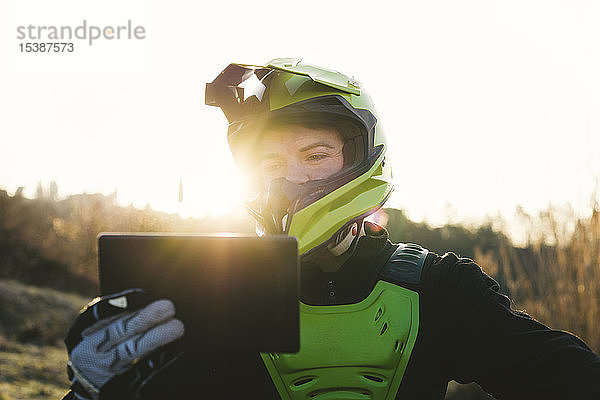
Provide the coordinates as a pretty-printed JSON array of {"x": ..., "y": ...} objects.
[{"x": 113, "y": 345}]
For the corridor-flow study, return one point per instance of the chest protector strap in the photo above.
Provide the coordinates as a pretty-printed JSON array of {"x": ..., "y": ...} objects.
[{"x": 355, "y": 351}]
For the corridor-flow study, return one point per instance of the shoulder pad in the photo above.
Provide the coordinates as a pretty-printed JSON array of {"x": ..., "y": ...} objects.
[{"x": 405, "y": 264}]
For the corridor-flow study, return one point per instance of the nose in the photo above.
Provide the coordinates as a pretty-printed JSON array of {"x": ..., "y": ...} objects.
[{"x": 296, "y": 173}]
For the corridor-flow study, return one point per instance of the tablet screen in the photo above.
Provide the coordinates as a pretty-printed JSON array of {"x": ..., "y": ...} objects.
[{"x": 233, "y": 294}]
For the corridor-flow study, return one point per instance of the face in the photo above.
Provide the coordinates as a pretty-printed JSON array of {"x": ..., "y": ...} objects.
[{"x": 300, "y": 154}]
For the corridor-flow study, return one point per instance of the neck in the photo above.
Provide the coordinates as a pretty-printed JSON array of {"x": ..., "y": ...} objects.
[{"x": 332, "y": 257}]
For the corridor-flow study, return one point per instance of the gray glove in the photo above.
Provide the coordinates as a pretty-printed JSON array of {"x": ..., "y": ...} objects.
[{"x": 113, "y": 345}]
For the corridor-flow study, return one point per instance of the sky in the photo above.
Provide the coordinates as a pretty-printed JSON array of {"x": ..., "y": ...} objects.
[{"x": 486, "y": 105}]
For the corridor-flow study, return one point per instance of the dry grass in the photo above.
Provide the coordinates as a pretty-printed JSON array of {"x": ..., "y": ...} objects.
[
  {"x": 556, "y": 278},
  {"x": 33, "y": 322},
  {"x": 31, "y": 372}
]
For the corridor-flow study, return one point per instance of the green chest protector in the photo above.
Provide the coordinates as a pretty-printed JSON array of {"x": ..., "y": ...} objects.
[{"x": 360, "y": 350}]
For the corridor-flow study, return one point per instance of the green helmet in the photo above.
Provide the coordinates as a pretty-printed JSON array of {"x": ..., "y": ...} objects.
[{"x": 286, "y": 91}]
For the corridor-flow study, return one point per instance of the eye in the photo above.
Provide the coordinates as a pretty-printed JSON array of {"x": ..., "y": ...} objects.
[
  {"x": 271, "y": 166},
  {"x": 317, "y": 157}
]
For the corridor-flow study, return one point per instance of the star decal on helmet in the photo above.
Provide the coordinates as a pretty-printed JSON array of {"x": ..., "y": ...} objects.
[{"x": 252, "y": 87}]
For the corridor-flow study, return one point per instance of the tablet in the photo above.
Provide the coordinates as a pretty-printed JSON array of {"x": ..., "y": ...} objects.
[{"x": 233, "y": 293}]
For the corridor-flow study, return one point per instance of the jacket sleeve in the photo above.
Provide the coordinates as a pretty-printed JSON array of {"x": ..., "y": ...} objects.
[{"x": 508, "y": 353}]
